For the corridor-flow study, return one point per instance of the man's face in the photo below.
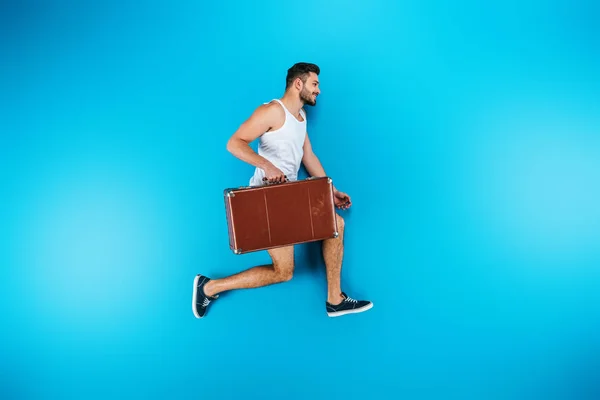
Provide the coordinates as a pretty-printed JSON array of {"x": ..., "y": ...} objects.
[{"x": 310, "y": 90}]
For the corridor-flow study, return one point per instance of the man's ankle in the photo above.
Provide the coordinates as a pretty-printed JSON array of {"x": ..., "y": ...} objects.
[
  {"x": 335, "y": 299},
  {"x": 208, "y": 288}
]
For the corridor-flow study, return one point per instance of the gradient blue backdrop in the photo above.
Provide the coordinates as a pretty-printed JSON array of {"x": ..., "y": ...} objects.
[{"x": 468, "y": 136}]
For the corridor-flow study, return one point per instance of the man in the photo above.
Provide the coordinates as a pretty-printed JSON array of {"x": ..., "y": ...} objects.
[{"x": 280, "y": 126}]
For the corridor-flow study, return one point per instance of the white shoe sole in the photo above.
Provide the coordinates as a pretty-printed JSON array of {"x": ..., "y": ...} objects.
[
  {"x": 195, "y": 293},
  {"x": 353, "y": 311}
]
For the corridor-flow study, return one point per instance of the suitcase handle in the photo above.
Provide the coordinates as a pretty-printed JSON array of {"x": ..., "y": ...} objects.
[{"x": 268, "y": 183}]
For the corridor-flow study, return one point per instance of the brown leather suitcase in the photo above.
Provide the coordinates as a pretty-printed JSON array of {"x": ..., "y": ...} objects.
[{"x": 276, "y": 215}]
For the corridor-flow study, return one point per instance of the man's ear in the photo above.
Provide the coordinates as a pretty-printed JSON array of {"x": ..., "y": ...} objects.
[{"x": 298, "y": 83}]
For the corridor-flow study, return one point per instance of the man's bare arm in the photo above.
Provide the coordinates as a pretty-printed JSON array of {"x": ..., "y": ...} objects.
[
  {"x": 261, "y": 120},
  {"x": 311, "y": 161},
  {"x": 314, "y": 168}
]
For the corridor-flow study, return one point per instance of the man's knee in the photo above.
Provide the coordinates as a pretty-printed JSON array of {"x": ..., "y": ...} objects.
[
  {"x": 283, "y": 263},
  {"x": 285, "y": 275}
]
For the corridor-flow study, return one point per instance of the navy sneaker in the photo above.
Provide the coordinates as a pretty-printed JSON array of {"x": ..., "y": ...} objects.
[
  {"x": 348, "y": 306},
  {"x": 200, "y": 301}
]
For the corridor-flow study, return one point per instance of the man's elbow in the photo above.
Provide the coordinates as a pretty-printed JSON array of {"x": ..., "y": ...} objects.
[{"x": 231, "y": 145}]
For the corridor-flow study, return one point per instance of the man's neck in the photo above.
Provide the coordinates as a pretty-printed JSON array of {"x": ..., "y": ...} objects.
[{"x": 293, "y": 104}]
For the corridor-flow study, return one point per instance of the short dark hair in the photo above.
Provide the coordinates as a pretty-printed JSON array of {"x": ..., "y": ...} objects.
[{"x": 300, "y": 70}]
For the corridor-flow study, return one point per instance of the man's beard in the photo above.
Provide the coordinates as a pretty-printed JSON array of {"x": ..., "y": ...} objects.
[{"x": 306, "y": 97}]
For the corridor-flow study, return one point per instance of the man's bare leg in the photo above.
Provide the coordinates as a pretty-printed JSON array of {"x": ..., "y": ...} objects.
[
  {"x": 333, "y": 254},
  {"x": 281, "y": 270},
  {"x": 337, "y": 303}
]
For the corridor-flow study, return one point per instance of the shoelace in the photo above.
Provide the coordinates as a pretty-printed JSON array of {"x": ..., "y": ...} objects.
[
  {"x": 206, "y": 302},
  {"x": 351, "y": 300}
]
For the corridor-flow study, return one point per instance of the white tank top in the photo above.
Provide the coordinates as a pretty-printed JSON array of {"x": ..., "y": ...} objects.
[{"x": 283, "y": 147}]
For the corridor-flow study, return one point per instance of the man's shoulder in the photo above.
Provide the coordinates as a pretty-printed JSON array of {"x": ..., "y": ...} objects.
[{"x": 271, "y": 110}]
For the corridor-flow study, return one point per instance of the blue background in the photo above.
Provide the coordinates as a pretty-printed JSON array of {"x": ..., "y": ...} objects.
[{"x": 467, "y": 135}]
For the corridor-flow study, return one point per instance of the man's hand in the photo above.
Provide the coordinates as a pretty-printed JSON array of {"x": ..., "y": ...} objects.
[
  {"x": 273, "y": 174},
  {"x": 341, "y": 200}
]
